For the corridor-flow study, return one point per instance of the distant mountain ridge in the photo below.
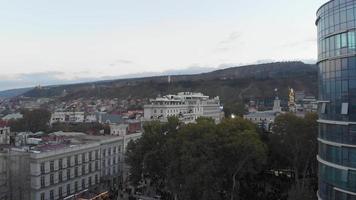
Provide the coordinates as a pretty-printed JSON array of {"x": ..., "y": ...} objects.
[
  {"x": 260, "y": 80},
  {"x": 13, "y": 92}
]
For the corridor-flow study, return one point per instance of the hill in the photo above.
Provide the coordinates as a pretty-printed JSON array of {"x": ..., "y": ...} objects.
[
  {"x": 13, "y": 92},
  {"x": 231, "y": 84}
]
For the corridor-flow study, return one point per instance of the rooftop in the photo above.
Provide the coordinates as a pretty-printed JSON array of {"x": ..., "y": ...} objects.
[
  {"x": 267, "y": 113},
  {"x": 64, "y": 141}
]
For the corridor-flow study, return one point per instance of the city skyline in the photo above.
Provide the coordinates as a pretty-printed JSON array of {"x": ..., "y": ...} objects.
[{"x": 61, "y": 42}]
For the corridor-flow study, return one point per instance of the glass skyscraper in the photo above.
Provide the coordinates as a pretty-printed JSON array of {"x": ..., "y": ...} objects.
[{"x": 336, "y": 22}]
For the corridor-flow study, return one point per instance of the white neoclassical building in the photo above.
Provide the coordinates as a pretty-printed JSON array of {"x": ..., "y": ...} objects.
[
  {"x": 187, "y": 106},
  {"x": 64, "y": 165}
]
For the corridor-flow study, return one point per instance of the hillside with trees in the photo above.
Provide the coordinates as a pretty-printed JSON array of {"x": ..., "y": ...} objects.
[{"x": 231, "y": 84}]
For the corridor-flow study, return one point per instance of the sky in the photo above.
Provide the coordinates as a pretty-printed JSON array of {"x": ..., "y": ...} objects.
[{"x": 53, "y": 42}]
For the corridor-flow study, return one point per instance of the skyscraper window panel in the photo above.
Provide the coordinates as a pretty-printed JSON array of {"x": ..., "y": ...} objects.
[{"x": 345, "y": 108}]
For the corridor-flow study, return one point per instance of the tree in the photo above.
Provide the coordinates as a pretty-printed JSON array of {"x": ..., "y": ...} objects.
[
  {"x": 293, "y": 147},
  {"x": 147, "y": 156},
  {"x": 237, "y": 108},
  {"x": 33, "y": 121},
  {"x": 244, "y": 153},
  {"x": 89, "y": 128},
  {"x": 198, "y": 161}
]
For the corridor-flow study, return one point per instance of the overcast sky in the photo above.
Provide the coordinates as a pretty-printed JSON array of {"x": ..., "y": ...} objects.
[{"x": 49, "y": 42}]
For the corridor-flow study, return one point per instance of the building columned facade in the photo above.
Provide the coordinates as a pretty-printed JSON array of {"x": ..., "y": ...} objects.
[
  {"x": 67, "y": 117},
  {"x": 265, "y": 119},
  {"x": 187, "y": 106},
  {"x": 336, "y": 22},
  {"x": 62, "y": 166}
]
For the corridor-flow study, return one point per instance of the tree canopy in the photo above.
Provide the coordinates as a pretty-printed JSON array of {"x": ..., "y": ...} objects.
[
  {"x": 293, "y": 147},
  {"x": 198, "y": 161},
  {"x": 33, "y": 121}
]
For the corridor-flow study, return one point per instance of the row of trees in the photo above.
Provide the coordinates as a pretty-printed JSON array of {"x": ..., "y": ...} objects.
[{"x": 231, "y": 160}]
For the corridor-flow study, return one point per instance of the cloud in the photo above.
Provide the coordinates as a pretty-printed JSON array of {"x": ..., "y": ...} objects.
[
  {"x": 122, "y": 62},
  {"x": 299, "y": 43},
  {"x": 228, "y": 43},
  {"x": 195, "y": 69},
  {"x": 33, "y": 79},
  {"x": 231, "y": 38}
]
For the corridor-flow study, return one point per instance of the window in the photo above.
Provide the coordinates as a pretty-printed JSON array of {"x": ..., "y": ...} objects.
[
  {"x": 337, "y": 41},
  {"x": 60, "y": 193},
  {"x": 96, "y": 154},
  {"x": 350, "y": 14},
  {"x": 89, "y": 180},
  {"x": 83, "y": 183},
  {"x": 109, "y": 151},
  {"x": 351, "y": 40},
  {"x": 42, "y": 181},
  {"x": 343, "y": 40},
  {"x": 51, "y": 195},
  {"x": 83, "y": 157},
  {"x": 68, "y": 174},
  {"x": 345, "y": 108},
  {"x": 76, "y": 186},
  {"x": 51, "y": 179},
  {"x": 104, "y": 152},
  {"x": 83, "y": 169},
  {"x": 42, "y": 168},
  {"x": 76, "y": 172},
  {"x": 90, "y": 169},
  {"x": 91, "y": 155},
  {"x": 51, "y": 166},
  {"x": 323, "y": 108},
  {"x": 343, "y": 16},
  {"x": 68, "y": 189},
  {"x": 60, "y": 163},
  {"x": 76, "y": 159},
  {"x": 96, "y": 165},
  {"x": 68, "y": 161},
  {"x": 96, "y": 179},
  {"x": 60, "y": 176},
  {"x": 42, "y": 196}
]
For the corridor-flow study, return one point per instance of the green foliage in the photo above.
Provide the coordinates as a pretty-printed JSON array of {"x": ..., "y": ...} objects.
[
  {"x": 236, "y": 108},
  {"x": 146, "y": 155},
  {"x": 90, "y": 128},
  {"x": 293, "y": 146},
  {"x": 33, "y": 121},
  {"x": 228, "y": 160},
  {"x": 197, "y": 161}
]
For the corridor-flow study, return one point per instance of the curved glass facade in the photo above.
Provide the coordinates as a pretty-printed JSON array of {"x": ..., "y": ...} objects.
[{"x": 336, "y": 22}]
